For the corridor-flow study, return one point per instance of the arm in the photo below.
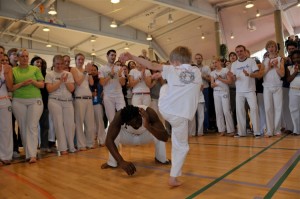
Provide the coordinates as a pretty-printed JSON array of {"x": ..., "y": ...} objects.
[
  {"x": 132, "y": 81},
  {"x": 122, "y": 80},
  {"x": 38, "y": 83},
  {"x": 78, "y": 80},
  {"x": 212, "y": 80},
  {"x": 290, "y": 77},
  {"x": 258, "y": 74},
  {"x": 153, "y": 66},
  {"x": 280, "y": 71},
  {"x": 153, "y": 124},
  {"x": 112, "y": 133},
  {"x": 148, "y": 81},
  {"x": 8, "y": 77}
]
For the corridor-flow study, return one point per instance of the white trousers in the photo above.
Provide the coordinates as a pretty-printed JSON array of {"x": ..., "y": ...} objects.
[
  {"x": 241, "y": 97},
  {"x": 84, "y": 117},
  {"x": 6, "y": 133},
  {"x": 143, "y": 99},
  {"x": 113, "y": 103},
  {"x": 262, "y": 113},
  {"x": 154, "y": 106},
  {"x": 273, "y": 107},
  {"x": 99, "y": 124},
  {"x": 295, "y": 109},
  {"x": 180, "y": 145},
  {"x": 222, "y": 108},
  {"x": 130, "y": 139},
  {"x": 63, "y": 122},
  {"x": 192, "y": 123},
  {"x": 286, "y": 113},
  {"x": 28, "y": 113}
]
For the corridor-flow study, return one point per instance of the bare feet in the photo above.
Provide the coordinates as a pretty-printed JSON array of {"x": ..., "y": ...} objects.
[
  {"x": 173, "y": 182},
  {"x": 106, "y": 166},
  {"x": 32, "y": 160}
]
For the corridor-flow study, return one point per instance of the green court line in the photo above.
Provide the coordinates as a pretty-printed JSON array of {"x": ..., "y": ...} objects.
[
  {"x": 232, "y": 170},
  {"x": 282, "y": 179}
]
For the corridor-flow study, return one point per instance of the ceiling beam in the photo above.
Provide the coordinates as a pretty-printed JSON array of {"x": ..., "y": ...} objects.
[
  {"x": 197, "y": 7},
  {"x": 9, "y": 25},
  {"x": 21, "y": 30}
]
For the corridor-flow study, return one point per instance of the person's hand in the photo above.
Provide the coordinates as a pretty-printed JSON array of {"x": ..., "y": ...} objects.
[
  {"x": 88, "y": 67},
  {"x": 125, "y": 57},
  {"x": 27, "y": 82},
  {"x": 246, "y": 73},
  {"x": 156, "y": 76},
  {"x": 64, "y": 77},
  {"x": 145, "y": 117},
  {"x": 274, "y": 62},
  {"x": 296, "y": 69},
  {"x": 128, "y": 167},
  {"x": 120, "y": 72}
]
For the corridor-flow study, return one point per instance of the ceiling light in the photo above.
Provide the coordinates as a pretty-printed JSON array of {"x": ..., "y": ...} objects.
[
  {"x": 126, "y": 47},
  {"x": 202, "y": 36},
  {"x": 115, "y": 1},
  {"x": 249, "y": 4},
  {"x": 170, "y": 18},
  {"x": 93, "y": 54},
  {"x": 257, "y": 13},
  {"x": 52, "y": 10},
  {"x": 231, "y": 36},
  {"x": 113, "y": 24},
  {"x": 48, "y": 45},
  {"x": 46, "y": 29},
  {"x": 149, "y": 38},
  {"x": 298, "y": 5},
  {"x": 93, "y": 38}
]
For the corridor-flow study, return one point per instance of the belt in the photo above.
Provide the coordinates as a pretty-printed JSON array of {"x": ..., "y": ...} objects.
[
  {"x": 63, "y": 100},
  {"x": 84, "y": 97},
  {"x": 4, "y": 97},
  {"x": 296, "y": 88},
  {"x": 141, "y": 93}
]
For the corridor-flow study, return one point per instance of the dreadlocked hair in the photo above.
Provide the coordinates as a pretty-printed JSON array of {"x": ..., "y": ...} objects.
[{"x": 128, "y": 113}]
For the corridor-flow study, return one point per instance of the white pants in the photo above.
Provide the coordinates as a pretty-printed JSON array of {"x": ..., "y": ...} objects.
[
  {"x": 286, "y": 114},
  {"x": 273, "y": 107},
  {"x": 241, "y": 97},
  {"x": 28, "y": 113},
  {"x": 99, "y": 124},
  {"x": 192, "y": 123},
  {"x": 180, "y": 145},
  {"x": 154, "y": 106},
  {"x": 295, "y": 109},
  {"x": 141, "y": 99},
  {"x": 222, "y": 108},
  {"x": 130, "y": 139},
  {"x": 262, "y": 113},
  {"x": 63, "y": 122},
  {"x": 84, "y": 116},
  {"x": 113, "y": 103},
  {"x": 6, "y": 133}
]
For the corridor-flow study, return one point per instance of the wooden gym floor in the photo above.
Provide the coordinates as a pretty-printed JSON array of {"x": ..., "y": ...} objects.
[{"x": 216, "y": 167}]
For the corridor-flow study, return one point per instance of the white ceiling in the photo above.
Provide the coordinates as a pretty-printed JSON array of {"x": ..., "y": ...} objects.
[{"x": 192, "y": 18}]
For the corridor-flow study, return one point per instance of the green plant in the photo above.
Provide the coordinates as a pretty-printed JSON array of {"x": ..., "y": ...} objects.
[{"x": 223, "y": 50}]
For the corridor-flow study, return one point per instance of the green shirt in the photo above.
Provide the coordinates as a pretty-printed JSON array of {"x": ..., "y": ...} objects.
[{"x": 23, "y": 74}]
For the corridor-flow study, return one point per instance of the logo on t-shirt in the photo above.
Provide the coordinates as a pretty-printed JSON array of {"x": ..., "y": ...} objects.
[{"x": 187, "y": 77}]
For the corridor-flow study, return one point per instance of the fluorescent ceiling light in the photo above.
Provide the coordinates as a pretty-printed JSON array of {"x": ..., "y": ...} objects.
[
  {"x": 115, "y": 1},
  {"x": 113, "y": 24},
  {"x": 249, "y": 4},
  {"x": 46, "y": 29},
  {"x": 149, "y": 38}
]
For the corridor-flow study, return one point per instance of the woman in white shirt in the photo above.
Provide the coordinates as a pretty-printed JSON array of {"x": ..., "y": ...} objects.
[
  {"x": 219, "y": 82},
  {"x": 60, "y": 85},
  {"x": 273, "y": 66}
]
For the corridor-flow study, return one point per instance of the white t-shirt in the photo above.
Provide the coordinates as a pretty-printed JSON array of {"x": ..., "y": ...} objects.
[
  {"x": 223, "y": 74},
  {"x": 205, "y": 70},
  {"x": 180, "y": 96},
  {"x": 296, "y": 81},
  {"x": 272, "y": 79},
  {"x": 113, "y": 86},
  {"x": 244, "y": 83},
  {"x": 3, "y": 89},
  {"x": 62, "y": 92},
  {"x": 140, "y": 87}
]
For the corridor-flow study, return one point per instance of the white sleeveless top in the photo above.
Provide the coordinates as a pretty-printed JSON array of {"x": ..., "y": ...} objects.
[
  {"x": 272, "y": 79},
  {"x": 84, "y": 88}
]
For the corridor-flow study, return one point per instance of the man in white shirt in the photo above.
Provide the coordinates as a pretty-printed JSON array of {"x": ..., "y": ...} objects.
[
  {"x": 243, "y": 73},
  {"x": 112, "y": 80}
]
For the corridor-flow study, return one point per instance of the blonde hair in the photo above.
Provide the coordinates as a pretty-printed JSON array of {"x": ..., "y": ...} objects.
[
  {"x": 271, "y": 42},
  {"x": 181, "y": 54},
  {"x": 20, "y": 51}
]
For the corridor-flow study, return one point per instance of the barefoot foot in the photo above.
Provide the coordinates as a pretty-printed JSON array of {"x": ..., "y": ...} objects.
[
  {"x": 173, "y": 182},
  {"x": 106, "y": 166}
]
